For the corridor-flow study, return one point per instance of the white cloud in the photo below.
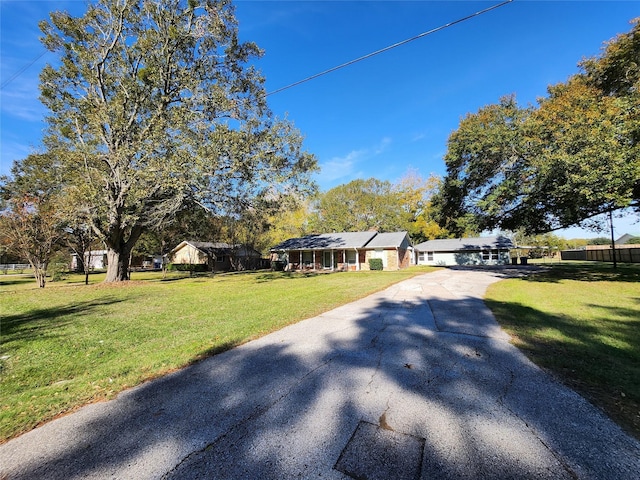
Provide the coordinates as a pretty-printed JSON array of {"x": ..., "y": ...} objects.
[
  {"x": 382, "y": 146},
  {"x": 340, "y": 167}
]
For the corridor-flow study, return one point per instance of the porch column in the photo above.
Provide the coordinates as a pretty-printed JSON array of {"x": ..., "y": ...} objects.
[
  {"x": 357, "y": 259},
  {"x": 332, "y": 261}
]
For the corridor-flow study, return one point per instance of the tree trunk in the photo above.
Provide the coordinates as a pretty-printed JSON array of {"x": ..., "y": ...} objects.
[
  {"x": 117, "y": 265},
  {"x": 119, "y": 255},
  {"x": 41, "y": 276}
]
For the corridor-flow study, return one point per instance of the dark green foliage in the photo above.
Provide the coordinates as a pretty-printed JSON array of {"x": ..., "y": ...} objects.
[
  {"x": 375, "y": 264},
  {"x": 187, "y": 267},
  {"x": 559, "y": 164}
]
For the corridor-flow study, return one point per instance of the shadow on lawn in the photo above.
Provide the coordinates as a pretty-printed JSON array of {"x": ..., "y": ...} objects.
[
  {"x": 42, "y": 321},
  {"x": 597, "y": 272},
  {"x": 232, "y": 415},
  {"x": 271, "y": 276},
  {"x": 600, "y": 358}
]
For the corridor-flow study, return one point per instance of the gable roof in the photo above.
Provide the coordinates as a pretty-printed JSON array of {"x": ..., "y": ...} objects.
[
  {"x": 327, "y": 241},
  {"x": 465, "y": 244},
  {"x": 388, "y": 239},
  {"x": 625, "y": 238},
  {"x": 217, "y": 248}
]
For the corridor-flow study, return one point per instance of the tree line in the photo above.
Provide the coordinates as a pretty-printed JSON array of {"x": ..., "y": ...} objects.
[{"x": 158, "y": 131}]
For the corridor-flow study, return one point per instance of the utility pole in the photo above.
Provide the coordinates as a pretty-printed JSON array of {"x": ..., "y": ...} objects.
[{"x": 613, "y": 242}]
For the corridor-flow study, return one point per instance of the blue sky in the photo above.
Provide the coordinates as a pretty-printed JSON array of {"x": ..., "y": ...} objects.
[{"x": 381, "y": 117}]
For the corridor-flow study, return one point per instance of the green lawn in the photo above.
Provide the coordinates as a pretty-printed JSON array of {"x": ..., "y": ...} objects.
[
  {"x": 581, "y": 322},
  {"x": 69, "y": 344}
]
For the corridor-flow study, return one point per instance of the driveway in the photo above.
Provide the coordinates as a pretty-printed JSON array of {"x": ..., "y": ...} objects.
[{"x": 414, "y": 382}]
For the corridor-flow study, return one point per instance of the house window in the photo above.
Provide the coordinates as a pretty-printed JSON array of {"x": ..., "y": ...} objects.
[
  {"x": 307, "y": 258},
  {"x": 489, "y": 255},
  {"x": 220, "y": 259},
  {"x": 425, "y": 257},
  {"x": 351, "y": 257}
]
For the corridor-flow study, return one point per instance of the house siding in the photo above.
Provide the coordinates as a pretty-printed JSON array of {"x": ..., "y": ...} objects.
[
  {"x": 189, "y": 254},
  {"x": 464, "y": 258}
]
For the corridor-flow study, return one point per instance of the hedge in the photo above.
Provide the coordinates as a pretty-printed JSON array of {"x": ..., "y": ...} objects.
[
  {"x": 375, "y": 264},
  {"x": 187, "y": 267}
]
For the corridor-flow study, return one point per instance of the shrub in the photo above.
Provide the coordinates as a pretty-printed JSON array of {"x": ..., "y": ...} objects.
[
  {"x": 187, "y": 267},
  {"x": 375, "y": 264}
]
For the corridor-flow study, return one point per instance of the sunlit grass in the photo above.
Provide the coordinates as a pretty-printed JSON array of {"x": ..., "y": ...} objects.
[
  {"x": 582, "y": 322},
  {"x": 69, "y": 344}
]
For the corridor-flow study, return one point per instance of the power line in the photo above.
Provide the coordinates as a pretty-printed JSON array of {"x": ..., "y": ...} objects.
[
  {"x": 369, "y": 55},
  {"x": 312, "y": 77},
  {"x": 22, "y": 70}
]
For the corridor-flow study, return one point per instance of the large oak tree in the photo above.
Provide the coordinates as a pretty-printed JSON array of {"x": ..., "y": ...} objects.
[
  {"x": 574, "y": 156},
  {"x": 155, "y": 105}
]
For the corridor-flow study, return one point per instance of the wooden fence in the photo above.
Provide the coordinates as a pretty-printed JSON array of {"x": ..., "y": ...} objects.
[
  {"x": 623, "y": 254},
  {"x": 604, "y": 253}
]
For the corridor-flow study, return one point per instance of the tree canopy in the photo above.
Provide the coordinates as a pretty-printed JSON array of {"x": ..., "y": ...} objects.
[
  {"x": 362, "y": 205},
  {"x": 156, "y": 105},
  {"x": 541, "y": 168},
  {"x": 31, "y": 222}
]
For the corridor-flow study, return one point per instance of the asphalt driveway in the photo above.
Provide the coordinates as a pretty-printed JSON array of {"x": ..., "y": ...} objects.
[{"x": 415, "y": 382}]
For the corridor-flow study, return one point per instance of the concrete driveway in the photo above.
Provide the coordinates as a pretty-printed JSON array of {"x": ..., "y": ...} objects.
[{"x": 414, "y": 382}]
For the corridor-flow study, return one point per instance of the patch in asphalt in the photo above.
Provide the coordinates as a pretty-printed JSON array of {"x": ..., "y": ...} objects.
[{"x": 376, "y": 453}]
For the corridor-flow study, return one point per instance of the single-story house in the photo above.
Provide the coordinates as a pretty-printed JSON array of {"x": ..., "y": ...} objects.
[
  {"x": 344, "y": 251},
  {"x": 217, "y": 256},
  {"x": 465, "y": 251},
  {"x": 95, "y": 260}
]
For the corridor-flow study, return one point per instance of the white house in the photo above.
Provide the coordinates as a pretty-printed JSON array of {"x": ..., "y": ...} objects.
[
  {"x": 95, "y": 260},
  {"x": 464, "y": 251}
]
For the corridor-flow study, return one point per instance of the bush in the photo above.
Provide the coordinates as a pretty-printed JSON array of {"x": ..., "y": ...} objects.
[
  {"x": 58, "y": 267},
  {"x": 375, "y": 264},
  {"x": 187, "y": 267}
]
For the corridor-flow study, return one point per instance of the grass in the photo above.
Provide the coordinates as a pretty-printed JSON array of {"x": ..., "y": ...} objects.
[
  {"x": 70, "y": 344},
  {"x": 582, "y": 323}
]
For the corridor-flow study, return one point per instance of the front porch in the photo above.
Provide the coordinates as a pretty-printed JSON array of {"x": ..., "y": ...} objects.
[{"x": 331, "y": 260}]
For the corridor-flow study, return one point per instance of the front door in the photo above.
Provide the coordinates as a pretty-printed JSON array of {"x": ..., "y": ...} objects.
[{"x": 326, "y": 259}]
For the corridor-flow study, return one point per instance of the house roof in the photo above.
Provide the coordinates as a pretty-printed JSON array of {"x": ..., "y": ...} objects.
[
  {"x": 465, "y": 244},
  {"x": 625, "y": 238},
  {"x": 216, "y": 248},
  {"x": 327, "y": 241},
  {"x": 337, "y": 241},
  {"x": 388, "y": 239}
]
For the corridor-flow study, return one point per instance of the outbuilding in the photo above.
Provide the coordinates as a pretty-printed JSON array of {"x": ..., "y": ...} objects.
[{"x": 465, "y": 251}]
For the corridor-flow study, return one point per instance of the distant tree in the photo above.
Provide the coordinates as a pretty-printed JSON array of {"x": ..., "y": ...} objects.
[
  {"x": 31, "y": 224},
  {"x": 291, "y": 222},
  {"x": 633, "y": 241},
  {"x": 359, "y": 205},
  {"x": 155, "y": 106},
  {"x": 80, "y": 239},
  {"x": 599, "y": 241},
  {"x": 31, "y": 231},
  {"x": 415, "y": 197}
]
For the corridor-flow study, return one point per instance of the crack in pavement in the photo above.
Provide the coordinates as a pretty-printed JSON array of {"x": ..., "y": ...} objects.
[{"x": 259, "y": 411}]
